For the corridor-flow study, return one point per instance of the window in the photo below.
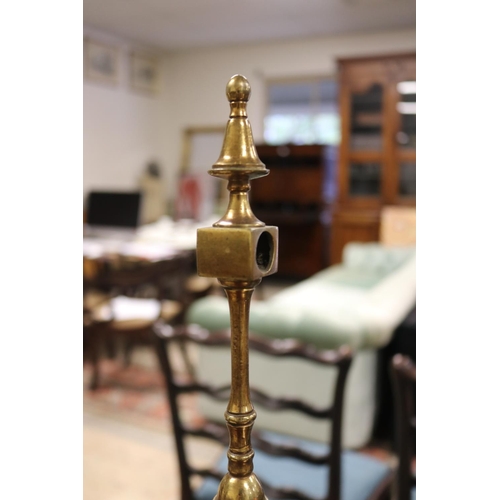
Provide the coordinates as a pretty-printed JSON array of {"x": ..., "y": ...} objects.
[{"x": 303, "y": 113}]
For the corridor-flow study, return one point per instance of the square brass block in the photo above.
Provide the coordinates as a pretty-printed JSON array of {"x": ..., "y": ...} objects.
[{"x": 237, "y": 253}]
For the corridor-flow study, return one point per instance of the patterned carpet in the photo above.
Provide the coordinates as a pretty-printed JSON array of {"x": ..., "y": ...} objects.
[
  {"x": 129, "y": 451},
  {"x": 135, "y": 395}
]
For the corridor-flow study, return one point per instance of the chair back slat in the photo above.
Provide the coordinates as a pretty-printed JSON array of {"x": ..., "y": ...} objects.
[
  {"x": 206, "y": 473},
  {"x": 287, "y": 450},
  {"x": 219, "y": 393},
  {"x": 136, "y": 278},
  {"x": 210, "y": 430},
  {"x": 278, "y": 404},
  {"x": 273, "y": 347}
]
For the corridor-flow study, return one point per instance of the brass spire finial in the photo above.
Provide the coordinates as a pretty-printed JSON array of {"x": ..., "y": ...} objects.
[
  {"x": 238, "y": 89},
  {"x": 238, "y": 152},
  {"x": 239, "y": 250},
  {"x": 238, "y": 161}
]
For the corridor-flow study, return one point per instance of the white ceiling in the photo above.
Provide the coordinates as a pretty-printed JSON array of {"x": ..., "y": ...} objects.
[{"x": 181, "y": 24}]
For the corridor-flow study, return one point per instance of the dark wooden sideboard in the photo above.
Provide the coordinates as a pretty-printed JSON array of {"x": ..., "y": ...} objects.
[{"x": 298, "y": 197}]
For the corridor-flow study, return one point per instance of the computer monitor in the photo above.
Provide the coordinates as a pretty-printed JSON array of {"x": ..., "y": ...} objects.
[{"x": 114, "y": 209}]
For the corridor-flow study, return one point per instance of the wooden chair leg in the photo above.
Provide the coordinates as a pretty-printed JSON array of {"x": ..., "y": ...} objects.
[
  {"x": 127, "y": 352},
  {"x": 111, "y": 349},
  {"x": 187, "y": 362},
  {"x": 94, "y": 357}
]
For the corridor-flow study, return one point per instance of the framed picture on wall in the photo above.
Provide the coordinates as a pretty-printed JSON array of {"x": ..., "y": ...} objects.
[
  {"x": 100, "y": 62},
  {"x": 199, "y": 194},
  {"x": 144, "y": 73}
]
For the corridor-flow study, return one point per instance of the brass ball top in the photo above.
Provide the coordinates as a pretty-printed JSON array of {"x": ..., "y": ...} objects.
[{"x": 238, "y": 89}]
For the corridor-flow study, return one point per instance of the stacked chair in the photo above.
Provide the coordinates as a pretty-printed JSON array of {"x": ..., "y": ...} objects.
[{"x": 122, "y": 303}]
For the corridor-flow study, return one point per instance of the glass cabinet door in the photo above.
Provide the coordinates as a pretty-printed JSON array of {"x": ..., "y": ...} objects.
[
  {"x": 366, "y": 119},
  {"x": 377, "y": 155},
  {"x": 406, "y": 138},
  {"x": 407, "y": 178},
  {"x": 365, "y": 179}
]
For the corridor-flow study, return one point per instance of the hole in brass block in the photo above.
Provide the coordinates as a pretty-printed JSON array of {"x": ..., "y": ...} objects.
[{"x": 264, "y": 254}]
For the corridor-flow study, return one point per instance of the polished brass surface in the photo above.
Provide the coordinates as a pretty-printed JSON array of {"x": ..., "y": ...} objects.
[
  {"x": 236, "y": 255},
  {"x": 238, "y": 152},
  {"x": 239, "y": 250}
]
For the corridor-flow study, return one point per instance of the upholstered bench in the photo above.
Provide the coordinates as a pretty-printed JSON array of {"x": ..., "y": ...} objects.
[{"x": 357, "y": 303}]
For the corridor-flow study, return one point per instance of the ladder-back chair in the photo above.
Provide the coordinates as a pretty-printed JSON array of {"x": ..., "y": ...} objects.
[
  {"x": 288, "y": 467},
  {"x": 138, "y": 294}
]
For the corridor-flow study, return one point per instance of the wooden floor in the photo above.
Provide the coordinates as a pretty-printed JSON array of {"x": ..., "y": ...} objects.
[
  {"x": 125, "y": 462},
  {"x": 129, "y": 450}
]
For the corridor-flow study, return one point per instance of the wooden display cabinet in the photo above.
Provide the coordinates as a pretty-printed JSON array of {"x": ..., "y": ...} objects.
[
  {"x": 377, "y": 157},
  {"x": 297, "y": 197}
]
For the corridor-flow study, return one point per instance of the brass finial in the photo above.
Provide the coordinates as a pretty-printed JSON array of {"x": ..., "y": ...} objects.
[
  {"x": 239, "y": 250},
  {"x": 238, "y": 152},
  {"x": 238, "y": 89}
]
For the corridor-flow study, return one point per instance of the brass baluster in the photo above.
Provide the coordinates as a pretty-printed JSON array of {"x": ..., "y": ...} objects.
[{"x": 239, "y": 250}]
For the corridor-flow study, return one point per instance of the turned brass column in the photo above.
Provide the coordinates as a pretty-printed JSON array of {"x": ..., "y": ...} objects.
[{"x": 239, "y": 250}]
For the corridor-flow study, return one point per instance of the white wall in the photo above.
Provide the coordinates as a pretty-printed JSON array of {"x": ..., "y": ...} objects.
[
  {"x": 197, "y": 78},
  {"x": 123, "y": 130},
  {"x": 121, "y": 127}
]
